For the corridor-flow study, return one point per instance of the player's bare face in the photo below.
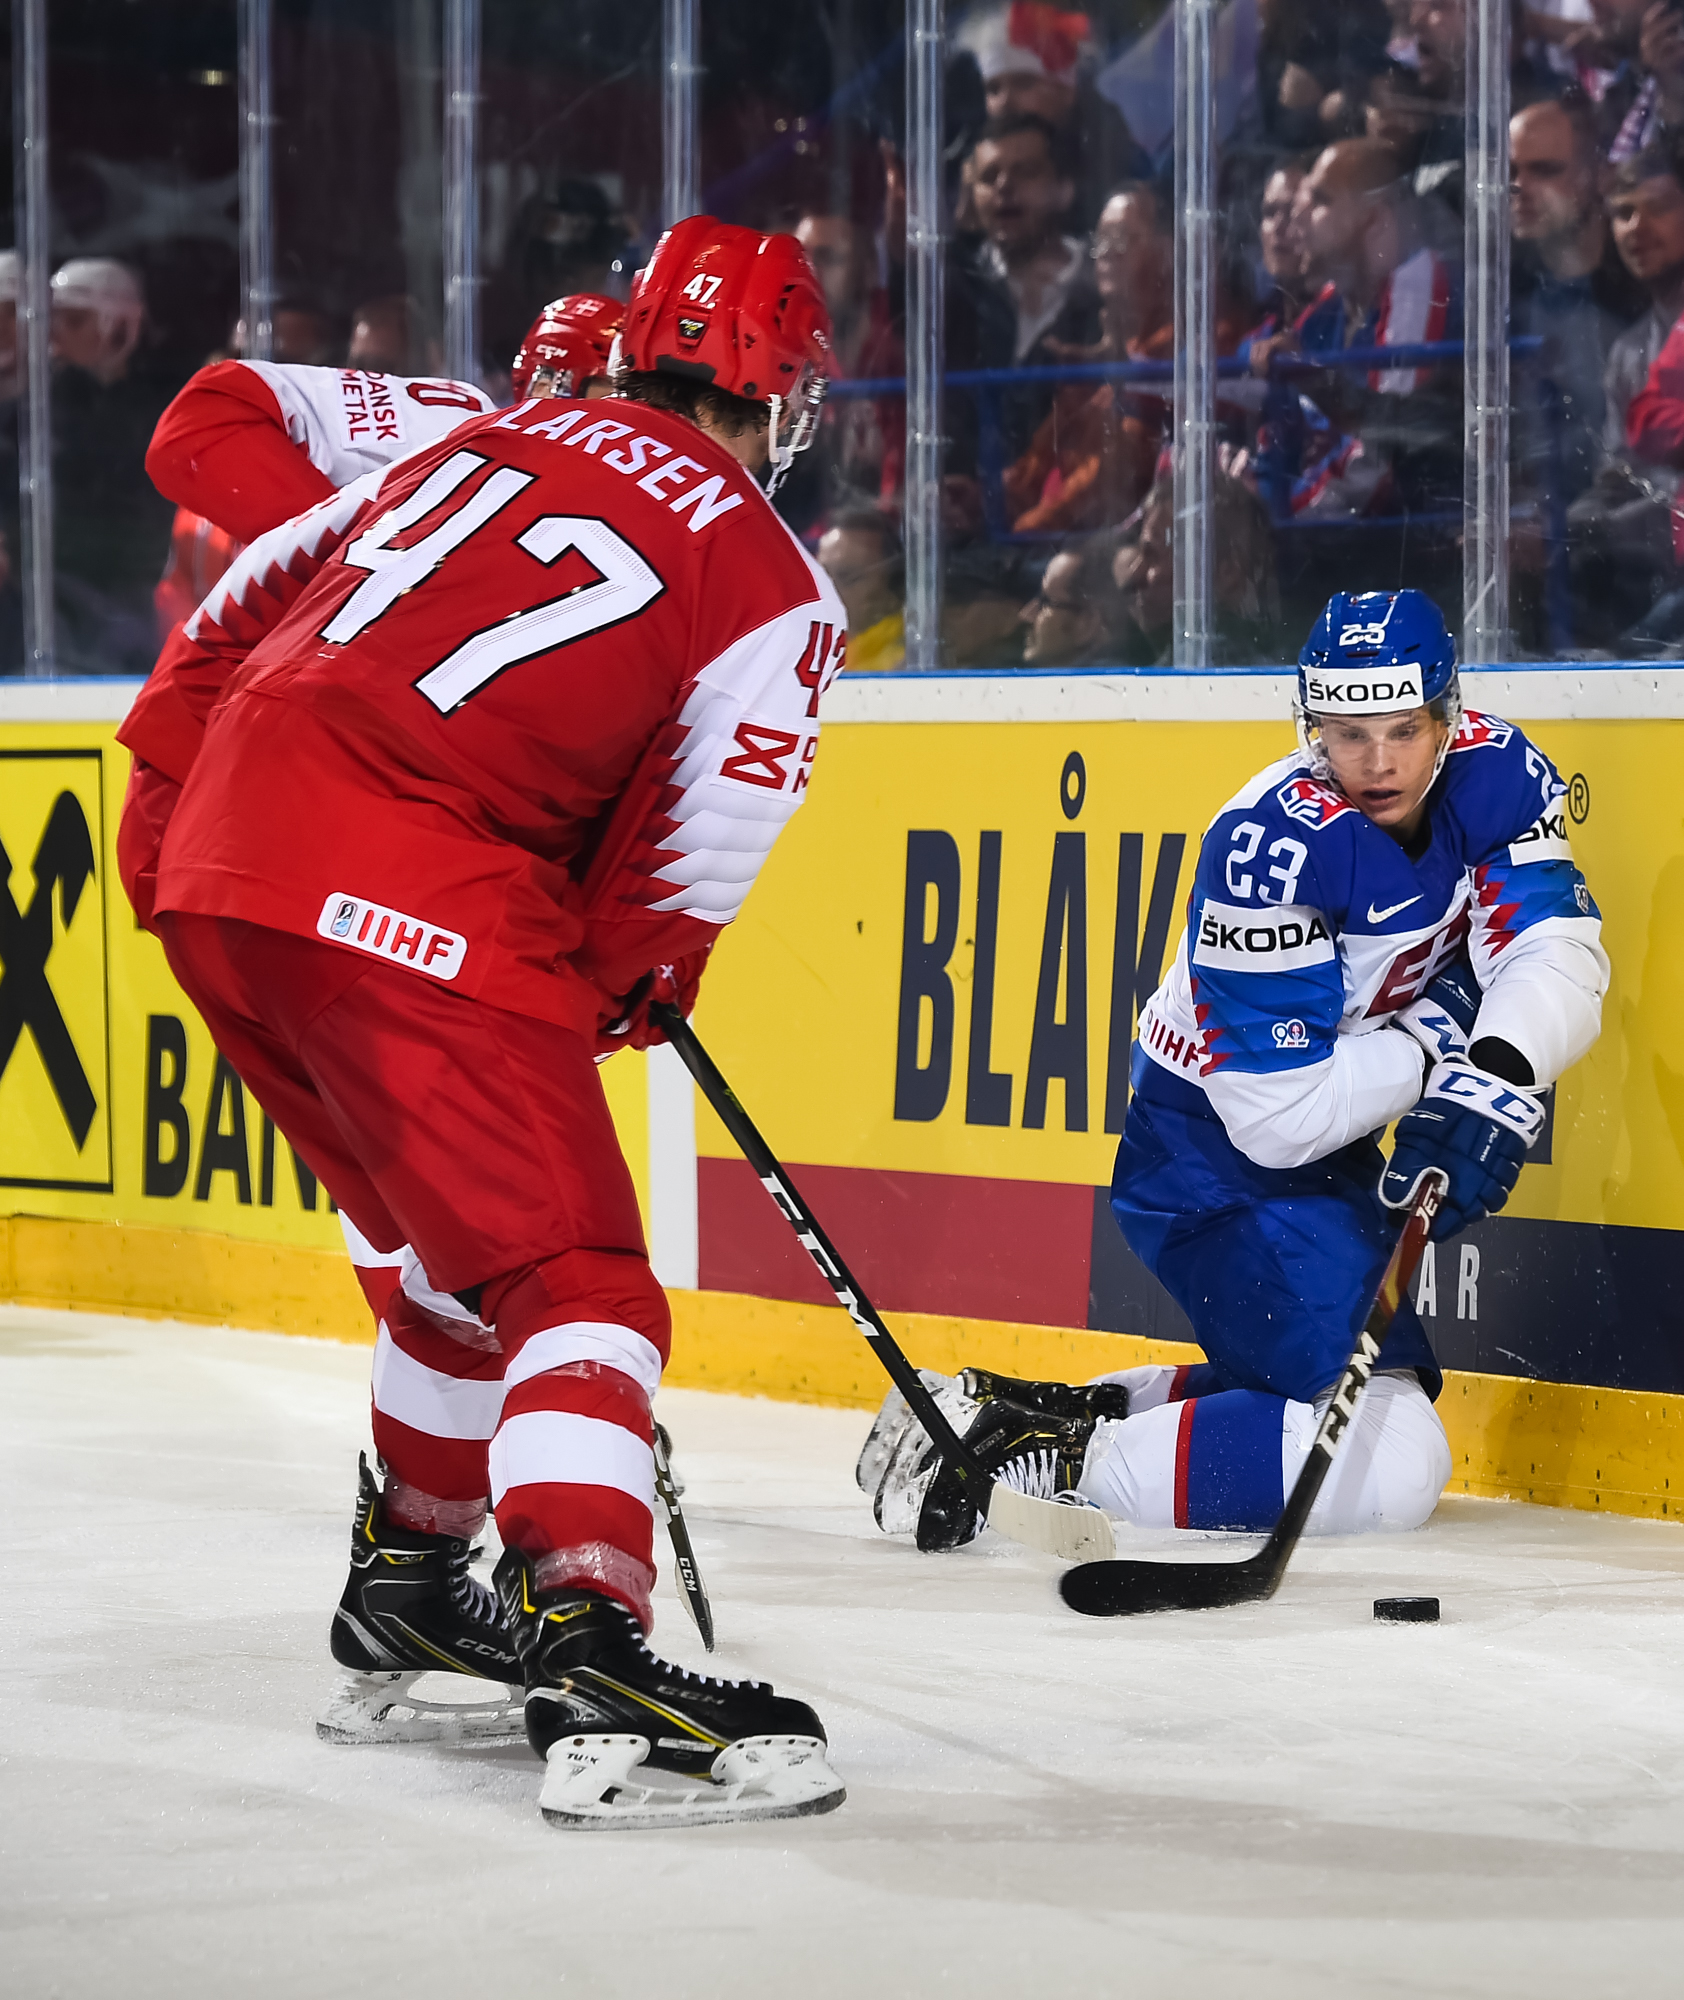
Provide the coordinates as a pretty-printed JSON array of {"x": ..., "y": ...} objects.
[{"x": 1384, "y": 764}]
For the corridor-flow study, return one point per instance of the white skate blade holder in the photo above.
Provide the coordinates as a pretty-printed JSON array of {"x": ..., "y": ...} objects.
[
  {"x": 385, "y": 1708},
  {"x": 1074, "y": 1534},
  {"x": 596, "y": 1781}
]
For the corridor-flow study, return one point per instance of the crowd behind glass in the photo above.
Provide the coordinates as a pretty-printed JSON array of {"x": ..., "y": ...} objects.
[{"x": 1341, "y": 169}]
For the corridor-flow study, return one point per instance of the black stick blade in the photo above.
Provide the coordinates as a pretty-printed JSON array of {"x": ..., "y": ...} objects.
[{"x": 1115, "y": 1589}]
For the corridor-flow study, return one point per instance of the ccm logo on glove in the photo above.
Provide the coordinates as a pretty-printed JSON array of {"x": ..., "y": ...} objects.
[
  {"x": 1473, "y": 1089},
  {"x": 1473, "y": 1127}
]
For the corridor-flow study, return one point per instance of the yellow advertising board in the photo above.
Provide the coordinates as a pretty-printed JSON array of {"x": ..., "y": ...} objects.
[
  {"x": 930, "y": 998},
  {"x": 115, "y": 1105},
  {"x": 927, "y": 1005}
]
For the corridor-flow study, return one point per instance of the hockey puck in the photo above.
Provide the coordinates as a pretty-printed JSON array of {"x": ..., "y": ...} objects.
[{"x": 1406, "y": 1610}]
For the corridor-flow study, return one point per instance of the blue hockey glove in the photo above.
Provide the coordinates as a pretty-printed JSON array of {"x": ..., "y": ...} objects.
[
  {"x": 1443, "y": 1018},
  {"x": 1477, "y": 1129}
]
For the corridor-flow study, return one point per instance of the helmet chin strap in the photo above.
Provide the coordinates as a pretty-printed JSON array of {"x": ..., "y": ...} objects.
[
  {"x": 807, "y": 402},
  {"x": 779, "y": 458}
]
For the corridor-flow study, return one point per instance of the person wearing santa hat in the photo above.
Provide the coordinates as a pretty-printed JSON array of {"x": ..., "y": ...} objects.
[{"x": 1036, "y": 59}]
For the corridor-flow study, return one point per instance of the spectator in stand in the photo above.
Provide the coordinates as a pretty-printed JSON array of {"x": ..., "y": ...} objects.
[
  {"x": 1314, "y": 60},
  {"x": 1399, "y": 114},
  {"x": 1426, "y": 136},
  {"x": 1033, "y": 59},
  {"x": 1655, "y": 418},
  {"x": 1655, "y": 434},
  {"x": 982, "y": 597},
  {"x": 1093, "y": 457},
  {"x": 303, "y": 331},
  {"x": 1074, "y": 619},
  {"x": 1286, "y": 266},
  {"x": 1633, "y": 69},
  {"x": 390, "y": 336},
  {"x": 566, "y": 241},
  {"x": 1024, "y": 283},
  {"x": 1280, "y": 244},
  {"x": 839, "y": 250},
  {"x": 1646, "y": 214},
  {"x": 1620, "y": 527},
  {"x": 861, "y": 554},
  {"x": 110, "y": 527},
  {"x": 1023, "y": 180},
  {"x": 1247, "y": 604},
  {"x": 1393, "y": 440},
  {"x": 861, "y": 446},
  {"x": 1441, "y": 42},
  {"x": 1569, "y": 286}
]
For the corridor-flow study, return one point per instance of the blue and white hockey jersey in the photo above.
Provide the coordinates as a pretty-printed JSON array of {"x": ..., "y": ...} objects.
[{"x": 1309, "y": 928}]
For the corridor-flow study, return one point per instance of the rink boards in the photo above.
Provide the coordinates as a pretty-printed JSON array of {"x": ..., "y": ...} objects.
[{"x": 927, "y": 1005}]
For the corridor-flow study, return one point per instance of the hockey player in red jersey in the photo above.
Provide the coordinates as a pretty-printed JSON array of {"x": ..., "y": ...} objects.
[
  {"x": 568, "y": 347},
  {"x": 521, "y": 721},
  {"x": 247, "y": 445}
]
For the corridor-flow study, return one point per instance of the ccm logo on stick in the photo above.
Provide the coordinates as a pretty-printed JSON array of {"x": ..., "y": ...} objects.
[
  {"x": 406, "y": 941},
  {"x": 1243, "y": 942}
]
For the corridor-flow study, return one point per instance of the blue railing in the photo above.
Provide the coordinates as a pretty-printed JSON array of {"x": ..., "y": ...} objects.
[{"x": 988, "y": 385}]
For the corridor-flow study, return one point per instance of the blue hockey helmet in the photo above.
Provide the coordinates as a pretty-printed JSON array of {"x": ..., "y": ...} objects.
[{"x": 1375, "y": 652}]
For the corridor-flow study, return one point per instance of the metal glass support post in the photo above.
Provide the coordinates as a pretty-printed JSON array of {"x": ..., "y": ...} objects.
[
  {"x": 1485, "y": 390},
  {"x": 417, "y": 45},
  {"x": 926, "y": 229},
  {"x": 681, "y": 80},
  {"x": 461, "y": 189},
  {"x": 257, "y": 181},
  {"x": 35, "y": 419},
  {"x": 1194, "y": 433}
]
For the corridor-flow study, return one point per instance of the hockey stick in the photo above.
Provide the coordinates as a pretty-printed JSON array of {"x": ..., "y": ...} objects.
[
  {"x": 1075, "y": 1534},
  {"x": 1111, "y": 1589},
  {"x": 683, "y": 1555}
]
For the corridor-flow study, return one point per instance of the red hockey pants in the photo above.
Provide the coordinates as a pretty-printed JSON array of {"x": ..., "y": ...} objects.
[{"x": 482, "y": 1139}]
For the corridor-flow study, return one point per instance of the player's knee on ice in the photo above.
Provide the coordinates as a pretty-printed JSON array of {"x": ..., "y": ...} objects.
[{"x": 1228, "y": 1460}]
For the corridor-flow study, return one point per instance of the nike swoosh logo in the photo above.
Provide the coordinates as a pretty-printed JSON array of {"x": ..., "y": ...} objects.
[{"x": 1379, "y": 916}]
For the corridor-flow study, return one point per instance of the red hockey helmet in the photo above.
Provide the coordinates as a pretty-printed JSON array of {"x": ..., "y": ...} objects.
[
  {"x": 567, "y": 345},
  {"x": 741, "y": 311}
]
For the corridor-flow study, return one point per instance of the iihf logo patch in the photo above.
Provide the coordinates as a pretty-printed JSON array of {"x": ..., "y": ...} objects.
[{"x": 1291, "y": 1035}]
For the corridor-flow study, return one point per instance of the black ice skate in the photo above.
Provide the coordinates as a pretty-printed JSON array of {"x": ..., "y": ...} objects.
[
  {"x": 631, "y": 1740},
  {"x": 411, "y": 1608},
  {"x": 1031, "y": 1453},
  {"x": 1052, "y": 1399}
]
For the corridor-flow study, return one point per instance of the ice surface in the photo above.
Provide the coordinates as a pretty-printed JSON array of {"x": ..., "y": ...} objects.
[{"x": 1286, "y": 1799}]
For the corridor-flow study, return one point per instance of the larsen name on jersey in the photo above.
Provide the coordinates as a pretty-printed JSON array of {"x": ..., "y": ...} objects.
[
  {"x": 1308, "y": 924},
  {"x": 552, "y": 684}
]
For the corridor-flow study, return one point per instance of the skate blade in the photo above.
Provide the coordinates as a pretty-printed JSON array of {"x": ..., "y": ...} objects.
[
  {"x": 1073, "y": 1532},
  {"x": 384, "y": 1708},
  {"x": 913, "y": 1462},
  {"x": 598, "y": 1781}
]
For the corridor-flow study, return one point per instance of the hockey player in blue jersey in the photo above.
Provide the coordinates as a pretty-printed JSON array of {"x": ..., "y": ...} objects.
[{"x": 1387, "y": 924}]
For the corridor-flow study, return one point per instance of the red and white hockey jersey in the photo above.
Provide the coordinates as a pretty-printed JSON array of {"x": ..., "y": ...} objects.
[
  {"x": 525, "y": 714},
  {"x": 248, "y": 444}
]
